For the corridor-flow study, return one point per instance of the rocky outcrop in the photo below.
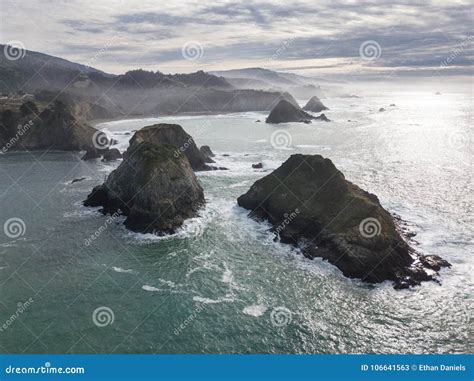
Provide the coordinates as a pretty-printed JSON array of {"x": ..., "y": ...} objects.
[
  {"x": 322, "y": 118},
  {"x": 155, "y": 188},
  {"x": 327, "y": 216},
  {"x": 207, "y": 153},
  {"x": 173, "y": 134},
  {"x": 285, "y": 112},
  {"x": 55, "y": 128},
  {"x": 111, "y": 154},
  {"x": 315, "y": 105}
]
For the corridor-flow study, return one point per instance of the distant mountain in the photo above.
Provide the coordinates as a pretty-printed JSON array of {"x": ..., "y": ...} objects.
[
  {"x": 301, "y": 87},
  {"x": 38, "y": 71},
  {"x": 94, "y": 94},
  {"x": 275, "y": 79}
]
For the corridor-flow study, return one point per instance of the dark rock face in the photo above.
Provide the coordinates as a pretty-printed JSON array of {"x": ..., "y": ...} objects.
[
  {"x": 111, "y": 154},
  {"x": 329, "y": 217},
  {"x": 322, "y": 118},
  {"x": 91, "y": 153},
  {"x": 315, "y": 105},
  {"x": 207, "y": 153},
  {"x": 55, "y": 128},
  {"x": 174, "y": 135},
  {"x": 285, "y": 112},
  {"x": 153, "y": 187},
  {"x": 257, "y": 166},
  {"x": 77, "y": 180}
]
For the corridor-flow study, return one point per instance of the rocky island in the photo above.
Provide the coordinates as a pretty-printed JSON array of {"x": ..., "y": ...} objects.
[
  {"x": 315, "y": 105},
  {"x": 286, "y": 112},
  {"x": 153, "y": 186},
  {"x": 327, "y": 216}
]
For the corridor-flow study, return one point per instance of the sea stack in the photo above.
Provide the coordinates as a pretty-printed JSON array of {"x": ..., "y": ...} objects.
[
  {"x": 315, "y": 105},
  {"x": 174, "y": 135},
  {"x": 285, "y": 112},
  {"x": 207, "y": 153},
  {"x": 155, "y": 188},
  {"x": 325, "y": 215}
]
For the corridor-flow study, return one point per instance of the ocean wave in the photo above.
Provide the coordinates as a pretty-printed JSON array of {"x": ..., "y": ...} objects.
[
  {"x": 125, "y": 271},
  {"x": 255, "y": 310},
  {"x": 224, "y": 299}
]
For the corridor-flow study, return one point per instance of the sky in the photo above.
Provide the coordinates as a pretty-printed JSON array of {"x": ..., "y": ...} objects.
[{"x": 333, "y": 39}]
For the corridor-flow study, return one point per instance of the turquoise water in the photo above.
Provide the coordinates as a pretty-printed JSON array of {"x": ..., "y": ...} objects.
[{"x": 221, "y": 285}]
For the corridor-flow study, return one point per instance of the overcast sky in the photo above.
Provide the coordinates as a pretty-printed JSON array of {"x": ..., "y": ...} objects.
[{"x": 333, "y": 38}]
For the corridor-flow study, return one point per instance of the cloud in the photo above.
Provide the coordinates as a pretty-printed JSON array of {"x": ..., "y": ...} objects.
[{"x": 414, "y": 36}]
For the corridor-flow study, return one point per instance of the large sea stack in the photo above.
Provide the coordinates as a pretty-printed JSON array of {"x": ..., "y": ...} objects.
[
  {"x": 311, "y": 205},
  {"x": 285, "y": 112},
  {"x": 315, "y": 105},
  {"x": 153, "y": 186},
  {"x": 173, "y": 134}
]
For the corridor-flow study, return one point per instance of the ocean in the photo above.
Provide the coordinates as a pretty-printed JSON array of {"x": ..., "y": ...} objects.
[{"x": 79, "y": 282}]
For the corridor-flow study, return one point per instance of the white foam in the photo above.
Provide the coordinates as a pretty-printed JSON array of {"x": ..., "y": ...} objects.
[
  {"x": 125, "y": 271},
  {"x": 227, "y": 276},
  {"x": 225, "y": 299},
  {"x": 169, "y": 283},
  {"x": 151, "y": 288},
  {"x": 255, "y": 310}
]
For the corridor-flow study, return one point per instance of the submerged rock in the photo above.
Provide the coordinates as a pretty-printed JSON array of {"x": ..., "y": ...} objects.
[
  {"x": 77, "y": 180},
  {"x": 174, "y": 135},
  {"x": 155, "y": 188},
  {"x": 285, "y": 112},
  {"x": 315, "y": 105},
  {"x": 327, "y": 216}
]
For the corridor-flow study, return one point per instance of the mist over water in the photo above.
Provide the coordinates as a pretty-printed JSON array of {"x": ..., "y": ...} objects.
[{"x": 221, "y": 284}]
